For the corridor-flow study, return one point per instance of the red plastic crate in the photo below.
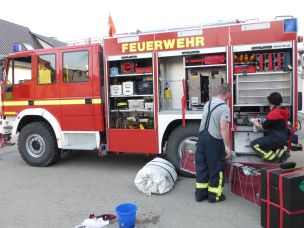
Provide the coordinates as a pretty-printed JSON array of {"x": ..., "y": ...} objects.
[
  {"x": 244, "y": 69},
  {"x": 143, "y": 70},
  {"x": 195, "y": 60},
  {"x": 214, "y": 59},
  {"x": 246, "y": 181},
  {"x": 188, "y": 162}
]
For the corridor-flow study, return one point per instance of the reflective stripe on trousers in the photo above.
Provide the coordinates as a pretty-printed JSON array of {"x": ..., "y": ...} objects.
[
  {"x": 202, "y": 185},
  {"x": 219, "y": 190}
]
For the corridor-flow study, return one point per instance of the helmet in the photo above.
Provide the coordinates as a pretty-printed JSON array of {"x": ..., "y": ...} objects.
[{"x": 275, "y": 98}]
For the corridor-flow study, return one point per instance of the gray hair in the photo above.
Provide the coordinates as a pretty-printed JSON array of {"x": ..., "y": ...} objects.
[{"x": 223, "y": 89}]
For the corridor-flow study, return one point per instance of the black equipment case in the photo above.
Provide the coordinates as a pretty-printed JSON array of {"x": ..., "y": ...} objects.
[{"x": 282, "y": 198}]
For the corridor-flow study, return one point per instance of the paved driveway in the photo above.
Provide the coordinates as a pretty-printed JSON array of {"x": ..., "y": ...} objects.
[{"x": 64, "y": 194}]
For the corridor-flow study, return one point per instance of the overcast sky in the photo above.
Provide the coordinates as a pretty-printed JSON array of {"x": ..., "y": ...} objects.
[{"x": 70, "y": 20}]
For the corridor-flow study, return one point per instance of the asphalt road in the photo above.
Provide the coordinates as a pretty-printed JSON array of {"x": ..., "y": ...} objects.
[{"x": 64, "y": 194}]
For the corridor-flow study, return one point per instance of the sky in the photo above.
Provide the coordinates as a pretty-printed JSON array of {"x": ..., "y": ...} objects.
[{"x": 78, "y": 19}]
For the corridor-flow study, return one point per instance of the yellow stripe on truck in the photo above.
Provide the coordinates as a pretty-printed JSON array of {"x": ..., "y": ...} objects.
[
  {"x": 15, "y": 103},
  {"x": 9, "y": 113},
  {"x": 72, "y": 102},
  {"x": 47, "y": 102},
  {"x": 51, "y": 102},
  {"x": 96, "y": 101}
]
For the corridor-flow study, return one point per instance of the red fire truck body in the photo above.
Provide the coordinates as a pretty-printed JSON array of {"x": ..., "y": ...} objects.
[{"x": 143, "y": 93}]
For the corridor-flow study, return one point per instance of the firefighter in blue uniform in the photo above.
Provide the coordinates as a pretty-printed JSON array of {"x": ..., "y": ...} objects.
[
  {"x": 213, "y": 147},
  {"x": 272, "y": 146}
]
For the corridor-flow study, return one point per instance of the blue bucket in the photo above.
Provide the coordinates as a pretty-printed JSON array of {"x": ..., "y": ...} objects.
[{"x": 126, "y": 214}]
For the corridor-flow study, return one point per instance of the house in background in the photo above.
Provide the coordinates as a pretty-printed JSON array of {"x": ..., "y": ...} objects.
[{"x": 11, "y": 33}]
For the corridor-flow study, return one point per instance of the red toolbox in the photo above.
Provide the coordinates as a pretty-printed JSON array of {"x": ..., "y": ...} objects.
[
  {"x": 127, "y": 67},
  {"x": 195, "y": 60},
  {"x": 282, "y": 198},
  {"x": 246, "y": 180},
  {"x": 143, "y": 70},
  {"x": 244, "y": 69},
  {"x": 214, "y": 59}
]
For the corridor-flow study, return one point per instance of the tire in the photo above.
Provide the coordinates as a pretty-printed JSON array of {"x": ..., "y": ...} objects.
[
  {"x": 37, "y": 144},
  {"x": 176, "y": 138}
]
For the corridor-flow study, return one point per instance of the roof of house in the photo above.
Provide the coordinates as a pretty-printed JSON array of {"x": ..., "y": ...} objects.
[
  {"x": 51, "y": 41},
  {"x": 11, "y": 33}
]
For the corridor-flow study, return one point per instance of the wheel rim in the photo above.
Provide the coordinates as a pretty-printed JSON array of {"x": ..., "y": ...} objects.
[
  {"x": 35, "y": 145},
  {"x": 186, "y": 153}
]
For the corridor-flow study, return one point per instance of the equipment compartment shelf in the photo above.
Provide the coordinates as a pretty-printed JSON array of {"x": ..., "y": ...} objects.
[
  {"x": 205, "y": 66},
  {"x": 284, "y": 80},
  {"x": 263, "y": 73},
  {"x": 258, "y": 104},
  {"x": 253, "y": 88},
  {"x": 244, "y": 64},
  {"x": 135, "y": 95},
  {"x": 264, "y": 88},
  {"x": 132, "y": 110},
  {"x": 260, "y": 96},
  {"x": 130, "y": 75}
]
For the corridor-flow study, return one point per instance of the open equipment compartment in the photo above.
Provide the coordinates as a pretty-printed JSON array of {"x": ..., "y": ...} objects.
[
  {"x": 131, "y": 92},
  {"x": 131, "y": 106},
  {"x": 203, "y": 70},
  {"x": 203, "y": 74},
  {"x": 171, "y": 75},
  {"x": 258, "y": 70}
]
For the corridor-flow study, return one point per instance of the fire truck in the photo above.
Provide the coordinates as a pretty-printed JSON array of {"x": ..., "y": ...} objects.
[{"x": 144, "y": 92}]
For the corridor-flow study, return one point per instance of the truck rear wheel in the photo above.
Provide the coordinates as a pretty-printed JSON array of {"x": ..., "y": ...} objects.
[
  {"x": 181, "y": 148},
  {"x": 37, "y": 144}
]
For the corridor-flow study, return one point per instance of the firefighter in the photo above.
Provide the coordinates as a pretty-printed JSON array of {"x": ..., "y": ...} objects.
[
  {"x": 213, "y": 147},
  {"x": 272, "y": 146}
]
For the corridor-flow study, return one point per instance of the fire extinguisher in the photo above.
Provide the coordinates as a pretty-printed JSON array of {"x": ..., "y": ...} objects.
[
  {"x": 167, "y": 92},
  {"x": 167, "y": 97}
]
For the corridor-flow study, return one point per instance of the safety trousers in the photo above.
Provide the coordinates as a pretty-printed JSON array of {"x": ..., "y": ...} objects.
[
  {"x": 272, "y": 146},
  {"x": 210, "y": 164}
]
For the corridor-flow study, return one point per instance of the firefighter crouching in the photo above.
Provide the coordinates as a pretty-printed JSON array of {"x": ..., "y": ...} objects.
[
  {"x": 272, "y": 146},
  {"x": 213, "y": 147}
]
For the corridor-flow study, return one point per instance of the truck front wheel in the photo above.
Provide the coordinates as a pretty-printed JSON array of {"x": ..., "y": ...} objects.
[
  {"x": 37, "y": 144},
  {"x": 181, "y": 148}
]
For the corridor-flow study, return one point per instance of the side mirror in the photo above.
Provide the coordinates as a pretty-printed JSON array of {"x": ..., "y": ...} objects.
[{"x": 1, "y": 73}]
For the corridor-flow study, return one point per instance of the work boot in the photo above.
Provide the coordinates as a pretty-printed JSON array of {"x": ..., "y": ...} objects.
[
  {"x": 216, "y": 199},
  {"x": 201, "y": 195},
  {"x": 282, "y": 151},
  {"x": 283, "y": 155}
]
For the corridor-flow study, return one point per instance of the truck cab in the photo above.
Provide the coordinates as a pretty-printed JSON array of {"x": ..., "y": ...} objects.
[{"x": 50, "y": 97}]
